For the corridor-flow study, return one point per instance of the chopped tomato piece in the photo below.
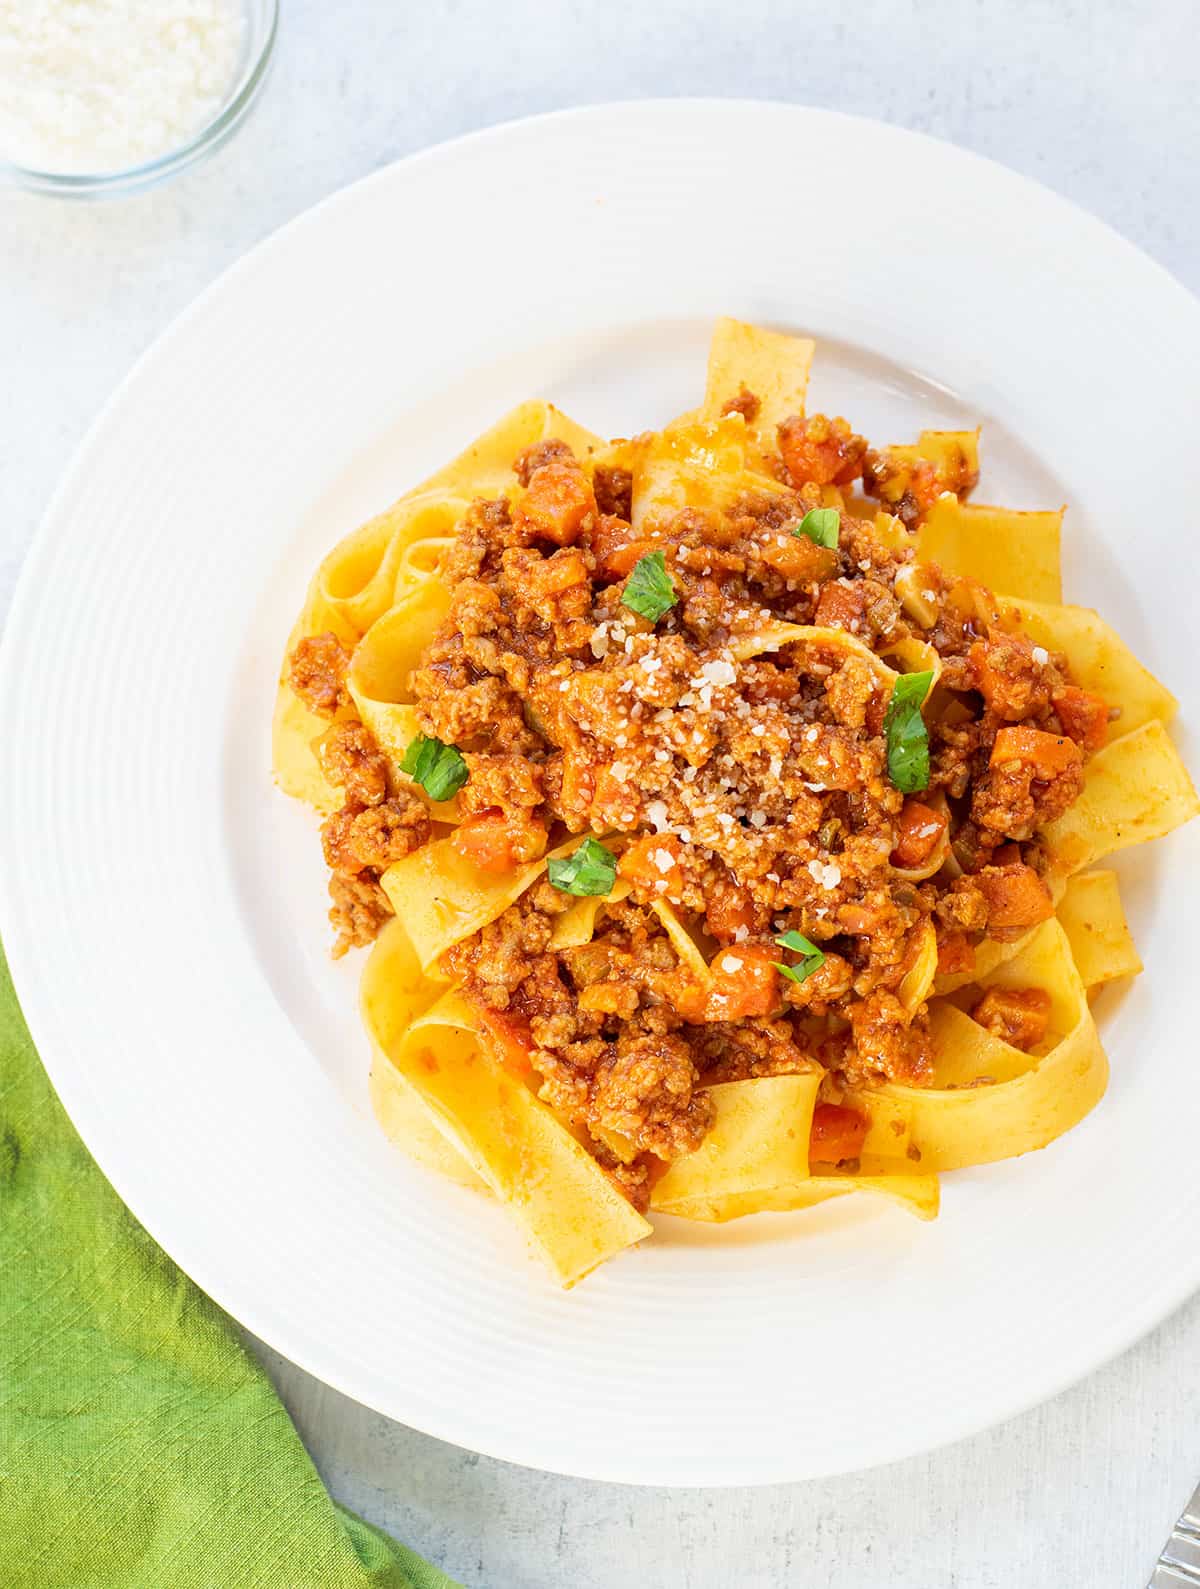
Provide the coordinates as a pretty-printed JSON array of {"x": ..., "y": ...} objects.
[
  {"x": 1018, "y": 1016},
  {"x": 837, "y": 1133},
  {"x": 1048, "y": 754},
  {"x": 651, "y": 861},
  {"x": 557, "y": 502},
  {"x": 745, "y": 982},
  {"x": 1016, "y": 898},
  {"x": 919, "y": 831},
  {"x": 496, "y": 843},
  {"x": 841, "y": 606},
  {"x": 1083, "y": 715}
]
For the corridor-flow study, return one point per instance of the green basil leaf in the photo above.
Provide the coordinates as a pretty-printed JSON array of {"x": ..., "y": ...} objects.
[
  {"x": 906, "y": 735},
  {"x": 648, "y": 590},
  {"x": 438, "y": 768},
  {"x": 814, "y": 958},
  {"x": 820, "y": 525},
  {"x": 591, "y": 869}
]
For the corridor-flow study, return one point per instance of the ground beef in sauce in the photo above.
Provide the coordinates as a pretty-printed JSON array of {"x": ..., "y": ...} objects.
[
  {"x": 317, "y": 673},
  {"x": 352, "y": 762},
  {"x": 752, "y": 796},
  {"x": 360, "y": 908}
]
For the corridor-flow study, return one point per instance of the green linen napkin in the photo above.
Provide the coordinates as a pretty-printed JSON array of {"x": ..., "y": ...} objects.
[{"x": 140, "y": 1443}]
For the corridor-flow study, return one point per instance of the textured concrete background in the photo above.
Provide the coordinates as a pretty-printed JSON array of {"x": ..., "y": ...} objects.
[{"x": 1098, "y": 100}]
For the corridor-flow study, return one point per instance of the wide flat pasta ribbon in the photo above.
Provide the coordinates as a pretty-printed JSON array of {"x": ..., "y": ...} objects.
[
  {"x": 1007, "y": 550},
  {"x": 439, "y": 1085},
  {"x": 1092, "y": 918},
  {"x": 776, "y": 636},
  {"x": 917, "y": 981},
  {"x": 755, "y": 1159},
  {"x": 577, "y": 924},
  {"x": 442, "y": 897},
  {"x": 294, "y": 730},
  {"x": 379, "y": 676},
  {"x": 952, "y": 451},
  {"x": 894, "y": 1180},
  {"x": 1099, "y": 659},
  {"x": 989, "y": 1100},
  {"x": 1134, "y": 790},
  {"x": 383, "y": 563},
  {"x": 393, "y": 993},
  {"x": 512, "y": 1142},
  {"x": 356, "y": 583},
  {"x": 772, "y": 365},
  {"x": 690, "y": 464},
  {"x": 758, "y": 1141}
]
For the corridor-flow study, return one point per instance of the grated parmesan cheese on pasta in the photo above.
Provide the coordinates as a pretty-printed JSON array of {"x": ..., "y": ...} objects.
[{"x": 99, "y": 85}]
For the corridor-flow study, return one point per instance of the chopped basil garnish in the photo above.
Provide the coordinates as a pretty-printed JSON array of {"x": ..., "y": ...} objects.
[
  {"x": 906, "y": 735},
  {"x": 438, "y": 768},
  {"x": 648, "y": 590},
  {"x": 814, "y": 958},
  {"x": 820, "y": 525},
  {"x": 591, "y": 869}
]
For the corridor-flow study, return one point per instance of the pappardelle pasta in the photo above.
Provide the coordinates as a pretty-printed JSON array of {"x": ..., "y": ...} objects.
[{"x": 724, "y": 808}]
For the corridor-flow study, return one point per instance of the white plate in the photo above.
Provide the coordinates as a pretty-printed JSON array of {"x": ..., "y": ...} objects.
[{"x": 163, "y": 907}]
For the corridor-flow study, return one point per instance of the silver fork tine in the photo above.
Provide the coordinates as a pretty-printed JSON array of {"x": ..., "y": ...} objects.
[{"x": 1178, "y": 1565}]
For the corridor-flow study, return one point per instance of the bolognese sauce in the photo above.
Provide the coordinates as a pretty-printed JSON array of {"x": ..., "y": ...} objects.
[{"x": 594, "y": 680}]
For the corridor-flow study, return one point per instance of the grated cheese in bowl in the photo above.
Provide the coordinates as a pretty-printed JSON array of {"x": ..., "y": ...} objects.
[{"x": 97, "y": 86}]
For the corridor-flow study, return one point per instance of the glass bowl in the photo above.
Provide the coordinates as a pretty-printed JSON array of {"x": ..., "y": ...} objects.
[{"x": 258, "y": 43}]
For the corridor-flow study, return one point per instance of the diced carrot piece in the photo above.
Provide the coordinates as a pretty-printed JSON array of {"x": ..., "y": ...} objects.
[
  {"x": 496, "y": 843},
  {"x": 745, "y": 982},
  {"x": 841, "y": 606},
  {"x": 558, "y": 573},
  {"x": 1083, "y": 715},
  {"x": 919, "y": 831},
  {"x": 1008, "y": 676},
  {"x": 1016, "y": 897},
  {"x": 860, "y": 920},
  {"x": 557, "y": 502},
  {"x": 652, "y": 860},
  {"x": 1048, "y": 754},
  {"x": 727, "y": 911},
  {"x": 617, "y": 548},
  {"x": 820, "y": 450},
  {"x": 837, "y": 1133},
  {"x": 508, "y": 1037},
  {"x": 611, "y": 796},
  {"x": 1018, "y": 1016},
  {"x": 797, "y": 557},
  {"x": 956, "y": 954},
  {"x": 578, "y": 784}
]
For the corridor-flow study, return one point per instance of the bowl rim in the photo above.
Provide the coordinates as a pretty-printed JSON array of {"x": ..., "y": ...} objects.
[
  {"x": 1091, "y": 255},
  {"x": 148, "y": 173}
]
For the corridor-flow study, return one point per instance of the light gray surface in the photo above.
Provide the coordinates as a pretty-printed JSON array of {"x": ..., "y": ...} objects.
[{"x": 1100, "y": 101}]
